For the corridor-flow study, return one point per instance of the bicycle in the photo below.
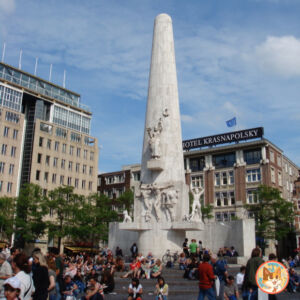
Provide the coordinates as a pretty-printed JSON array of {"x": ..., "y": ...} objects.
[{"x": 169, "y": 257}]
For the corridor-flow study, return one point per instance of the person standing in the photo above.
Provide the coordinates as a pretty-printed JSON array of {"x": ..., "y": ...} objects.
[
  {"x": 5, "y": 272},
  {"x": 185, "y": 248},
  {"x": 40, "y": 277},
  {"x": 220, "y": 269},
  {"x": 193, "y": 248},
  {"x": 134, "y": 250},
  {"x": 206, "y": 279},
  {"x": 21, "y": 267},
  {"x": 249, "y": 283}
]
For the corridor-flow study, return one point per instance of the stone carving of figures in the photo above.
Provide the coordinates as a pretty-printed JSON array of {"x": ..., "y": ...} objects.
[
  {"x": 154, "y": 142},
  {"x": 146, "y": 191},
  {"x": 157, "y": 202},
  {"x": 196, "y": 208},
  {"x": 169, "y": 200},
  {"x": 127, "y": 218}
]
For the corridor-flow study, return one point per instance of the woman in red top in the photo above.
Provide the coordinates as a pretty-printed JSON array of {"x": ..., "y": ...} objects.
[{"x": 206, "y": 279}]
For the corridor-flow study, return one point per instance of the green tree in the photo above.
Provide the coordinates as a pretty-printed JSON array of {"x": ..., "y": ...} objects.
[
  {"x": 127, "y": 199},
  {"x": 64, "y": 205},
  {"x": 31, "y": 209},
  {"x": 206, "y": 211},
  {"x": 273, "y": 214},
  {"x": 7, "y": 210}
]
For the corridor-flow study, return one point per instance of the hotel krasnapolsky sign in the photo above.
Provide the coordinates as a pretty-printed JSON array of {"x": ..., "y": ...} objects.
[{"x": 224, "y": 138}]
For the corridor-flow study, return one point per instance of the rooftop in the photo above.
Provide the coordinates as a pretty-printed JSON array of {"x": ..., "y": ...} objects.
[{"x": 39, "y": 85}]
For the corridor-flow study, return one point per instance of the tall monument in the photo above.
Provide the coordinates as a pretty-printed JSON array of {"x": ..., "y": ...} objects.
[{"x": 161, "y": 207}]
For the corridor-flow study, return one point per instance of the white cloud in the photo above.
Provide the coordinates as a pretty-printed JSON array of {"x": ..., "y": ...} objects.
[
  {"x": 280, "y": 55},
  {"x": 7, "y": 6}
]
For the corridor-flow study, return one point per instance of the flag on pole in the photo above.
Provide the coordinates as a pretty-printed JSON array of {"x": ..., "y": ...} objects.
[{"x": 231, "y": 122}]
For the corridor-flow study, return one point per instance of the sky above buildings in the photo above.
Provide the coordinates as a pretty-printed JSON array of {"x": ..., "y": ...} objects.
[{"x": 234, "y": 58}]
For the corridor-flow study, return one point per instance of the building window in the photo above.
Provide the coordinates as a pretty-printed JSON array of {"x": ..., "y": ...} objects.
[
  {"x": 224, "y": 160},
  {"x": 77, "y": 167},
  {"x": 287, "y": 186},
  {"x": 232, "y": 198},
  {"x": 49, "y": 144},
  {"x": 252, "y": 156},
  {"x": 286, "y": 167},
  {"x": 12, "y": 117},
  {"x": 137, "y": 176},
  {"x": 253, "y": 175},
  {"x": 47, "y": 161},
  {"x": 197, "y": 181},
  {"x": 90, "y": 185},
  {"x": 218, "y": 217},
  {"x": 41, "y": 140},
  {"x": 64, "y": 148},
  {"x": 4, "y": 148},
  {"x": 2, "y": 166},
  {"x": 56, "y": 146},
  {"x": 84, "y": 169},
  {"x": 218, "y": 199},
  {"x": 197, "y": 164},
  {"x": 69, "y": 180},
  {"x": 225, "y": 198},
  {"x": 9, "y": 187},
  {"x": 291, "y": 187},
  {"x": 11, "y": 169},
  {"x": 291, "y": 171},
  {"x": 224, "y": 178},
  {"x": 252, "y": 197},
  {"x": 85, "y": 152},
  {"x": 1, "y": 185},
  {"x": 61, "y": 132},
  {"x": 15, "y": 134},
  {"x": 76, "y": 182},
  {"x": 37, "y": 175},
  {"x": 61, "y": 179},
  {"x": 71, "y": 150},
  {"x": 6, "y": 130},
  {"x": 39, "y": 158},
  {"x": 272, "y": 159},
  {"x": 83, "y": 184},
  {"x": 273, "y": 175},
  {"x": 92, "y": 155},
  {"x": 63, "y": 163},
  {"x": 78, "y": 152},
  {"x": 217, "y": 179},
  {"x": 13, "y": 151},
  {"x": 279, "y": 178},
  {"x": 91, "y": 171},
  {"x": 279, "y": 160},
  {"x": 70, "y": 166},
  {"x": 53, "y": 178},
  {"x": 55, "y": 160},
  {"x": 46, "y": 175}
]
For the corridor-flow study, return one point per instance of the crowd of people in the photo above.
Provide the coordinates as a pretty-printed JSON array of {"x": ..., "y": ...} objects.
[{"x": 82, "y": 276}]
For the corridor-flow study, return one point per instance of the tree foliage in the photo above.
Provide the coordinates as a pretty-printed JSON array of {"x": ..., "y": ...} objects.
[
  {"x": 31, "y": 209},
  {"x": 273, "y": 215},
  {"x": 7, "y": 210},
  {"x": 206, "y": 211},
  {"x": 127, "y": 199}
]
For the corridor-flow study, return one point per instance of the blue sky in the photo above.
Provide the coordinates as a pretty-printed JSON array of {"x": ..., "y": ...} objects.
[{"x": 234, "y": 58}]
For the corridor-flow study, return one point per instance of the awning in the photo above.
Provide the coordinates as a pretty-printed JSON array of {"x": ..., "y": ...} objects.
[{"x": 81, "y": 249}]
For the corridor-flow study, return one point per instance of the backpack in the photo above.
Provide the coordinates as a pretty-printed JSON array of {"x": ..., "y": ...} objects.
[{"x": 220, "y": 269}]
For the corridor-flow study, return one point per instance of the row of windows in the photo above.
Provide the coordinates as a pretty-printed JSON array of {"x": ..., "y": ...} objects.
[
  {"x": 55, "y": 164},
  {"x": 10, "y": 98},
  {"x": 4, "y": 150},
  {"x": 225, "y": 160},
  {"x": 63, "y": 180},
  {"x": 6, "y": 133},
  {"x": 224, "y": 178},
  {"x": 115, "y": 179},
  {"x": 225, "y": 216},
  {"x": 10, "y": 169},
  {"x": 9, "y": 186},
  {"x": 227, "y": 198},
  {"x": 63, "y": 148}
]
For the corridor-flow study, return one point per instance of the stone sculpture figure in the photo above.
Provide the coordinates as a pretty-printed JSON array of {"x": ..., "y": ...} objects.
[
  {"x": 196, "y": 208},
  {"x": 169, "y": 200},
  {"x": 127, "y": 218},
  {"x": 154, "y": 139}
]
